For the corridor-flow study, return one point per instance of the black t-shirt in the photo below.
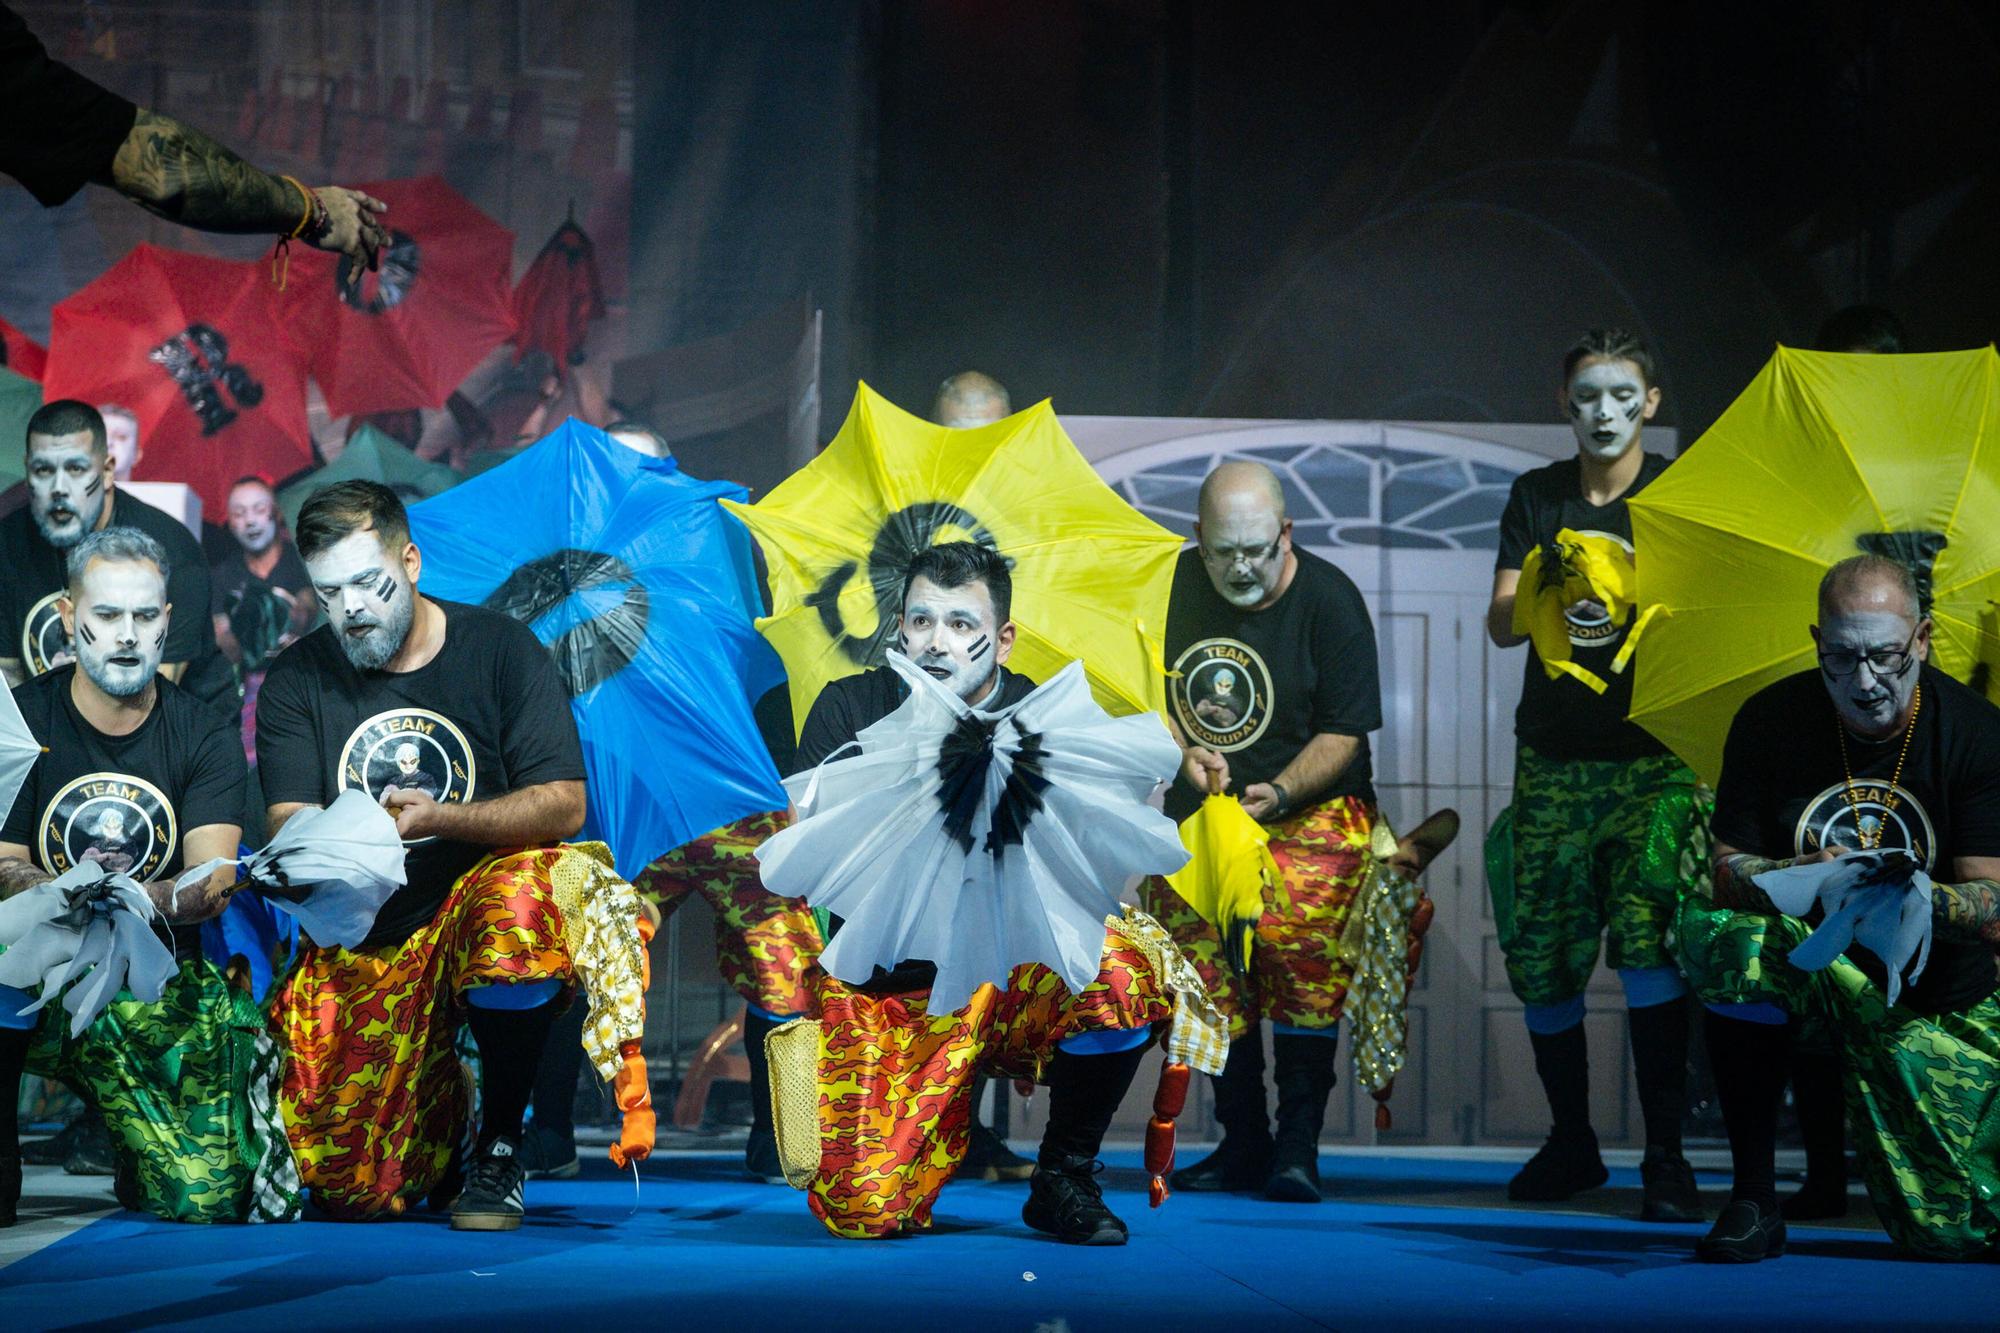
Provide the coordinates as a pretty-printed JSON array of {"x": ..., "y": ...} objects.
[
  {"x": 1563, "y": 718},
  {"x": 256, "y": 615},
  {"x": 488, "y": 715},
  {"x": 1784, "y": 793},
  {"x": 838, "y": 715},
  {"x": 1257, "y": 686},
  {"x": 33, "y": 580},
  {"x": 131, "y": 799},
  {"x": 58, "y": 130}
]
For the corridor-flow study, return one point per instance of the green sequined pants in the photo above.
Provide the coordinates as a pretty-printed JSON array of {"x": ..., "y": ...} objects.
[
  {"x": 1590, "y": 849},
  {"x": 1922, "y": 1093}
]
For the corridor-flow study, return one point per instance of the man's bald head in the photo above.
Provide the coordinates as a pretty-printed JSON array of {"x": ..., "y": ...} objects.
[
  {"x": 970, "y": 399},
  {"x": 1870, "y": 583},
  {"x": 1238, "y": 486},
  {"x": 1244, "y": 535}
]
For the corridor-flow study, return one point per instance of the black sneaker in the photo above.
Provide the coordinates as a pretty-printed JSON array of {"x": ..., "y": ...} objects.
[
  {"x": 54, "y": 1150},
  {"x": 549, "y": 1153},
  {"x": 760, "y": 1158},
  {"x": 1294, "y": 1176},
  {"x": 1815, "y": 1202},
  {"x": 1670, "y": 1194},
  {"x": 90, "y": 1151},
  {"x": 1563, "y": 1167},
  {"x": 10, "y": 1190},
  {"x": 1236, "y": 1166},
  {"x": 491, "y": 1199},
  {"x": 987, "y": 1157},
  {"x": 1065, "y": 1200},
  {"x": 1744, "y": 1234}
]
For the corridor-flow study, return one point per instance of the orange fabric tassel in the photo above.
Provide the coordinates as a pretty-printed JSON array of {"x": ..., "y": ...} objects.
[
  {"x": 1168, "y": 1099},
  {"x": 633, "y": 1091}
]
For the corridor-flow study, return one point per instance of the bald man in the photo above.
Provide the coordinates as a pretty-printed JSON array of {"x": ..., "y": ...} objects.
[
  {"x": 1272, "y": 692},
  {"x": 970, "y": 399},
  {"x": 1873, "y": 750}
]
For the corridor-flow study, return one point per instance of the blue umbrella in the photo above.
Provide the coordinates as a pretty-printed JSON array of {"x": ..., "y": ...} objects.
[{"x": 644, "y": 590}]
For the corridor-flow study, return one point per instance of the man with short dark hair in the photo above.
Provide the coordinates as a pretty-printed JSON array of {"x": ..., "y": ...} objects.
[
  {"x": 1874, "y": 750},
  {"x": 374, "y": 1095},
  {"x": 143, "y": 780},
  {"x": 262, "y": 599},
  {"x": 73, "y": 492}
]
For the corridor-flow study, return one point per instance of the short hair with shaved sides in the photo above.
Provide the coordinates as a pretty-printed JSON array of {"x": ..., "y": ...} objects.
[
  {"x": 117, "y": 545},
  {"x": 339, "y": 511},
  {"x": 67, "y": 416},
  {"x": 1859, "y": 571}
]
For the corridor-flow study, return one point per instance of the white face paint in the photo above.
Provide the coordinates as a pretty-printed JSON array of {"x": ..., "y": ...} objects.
[
  {"x": 367, "y": 596},
  {"x": 120, "y": 625},
  {"x": 1243, "y": 550},
  {"x": 253, "y": 518},
  {"x": 1870, "y": 698},
  {"x": 65, "y": 487},
  {"x": 121, "y": 436},
  {"x": 952, "y": 634},
  {"x": 1607, "y": 402}
]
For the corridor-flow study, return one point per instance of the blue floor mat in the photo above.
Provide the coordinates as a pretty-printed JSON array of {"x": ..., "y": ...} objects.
[{"x": 704, "y": 1245}]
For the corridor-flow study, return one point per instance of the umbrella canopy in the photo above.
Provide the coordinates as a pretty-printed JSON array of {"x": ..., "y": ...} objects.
[
  {"x": 371, "y": 456},
  {"x": 412, "y": 331},
  {"x": 557, "y": 298},
  {"x": 18, "y": 750},
  {"x": 643, "y": 589},
  {"x": 1091, "y": 574},
  {"x": 20, "y": 353},
  {"x": 189, "y": 344},
  {"x": 1825, "y": 455},
  {"x": 20, "y": 398}
]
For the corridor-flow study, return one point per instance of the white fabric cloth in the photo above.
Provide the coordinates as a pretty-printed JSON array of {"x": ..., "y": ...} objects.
[
  {"x": 349, "y": 853},
  {"x": 84, "y": 935},
  {"x": 1878, "y": 899},
  {"x": 18, "y": 749},
  {"x": 926, "y": 848}
]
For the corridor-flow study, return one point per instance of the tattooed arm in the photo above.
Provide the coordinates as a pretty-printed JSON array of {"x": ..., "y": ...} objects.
[
  {"x": 17, "y": 872},
  {"x": 1970, "y": 909},
  {"x": 1734, "y": 872},
  {"x": 179, "y": 173}
]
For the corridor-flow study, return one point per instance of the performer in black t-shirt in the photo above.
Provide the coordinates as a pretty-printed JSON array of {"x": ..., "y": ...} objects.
[
  {"x": 397, "y": 683},
  {"x": 1590, "y": 846},
  {"x": 73, "y": 492},
  {"x": 1874, "y": 749},
  {"x": 1273, "y": 692},
  {"x": 262, "y": 598},
  {"x": 142, "y": 779}
]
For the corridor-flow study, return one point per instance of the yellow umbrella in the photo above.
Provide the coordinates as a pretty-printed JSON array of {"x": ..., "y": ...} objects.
[
  {"x": 1229, "y": 868},
  {"x": 1825, "y": 455},
  {"x": 1091, "y": 574}
]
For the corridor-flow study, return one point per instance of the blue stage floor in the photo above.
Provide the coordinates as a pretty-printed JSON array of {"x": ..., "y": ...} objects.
[{"x": 706, "y": 1249}]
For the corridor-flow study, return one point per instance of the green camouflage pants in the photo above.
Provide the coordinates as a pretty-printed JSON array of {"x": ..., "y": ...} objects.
[
  {"x": 1923, "y": 1093},
  {"x": 187, "y": 1088},
  {"x": 1589, "y": 848}
]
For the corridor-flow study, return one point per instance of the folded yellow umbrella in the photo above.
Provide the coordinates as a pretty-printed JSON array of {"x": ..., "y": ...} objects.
[
  {"x": 1558, "y": 576},
  {"x": 1229, "y": 868}
]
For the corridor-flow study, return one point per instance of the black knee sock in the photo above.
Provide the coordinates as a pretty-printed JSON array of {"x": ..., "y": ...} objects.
[
  {"x": 1749, "y": 1060},
  {"x": 510, "y": 1050},
  {"x": 755, "y": 1028},
  {"x": 1084, "y": 1092},
  {"x": 1821, "y": 1104},
  {"x": 13, "y": 1062},
  {"x": 562, "y": 1066},
  {"x": 1562, "y": 1060},
  {"x": 1660, "y": 1059}
]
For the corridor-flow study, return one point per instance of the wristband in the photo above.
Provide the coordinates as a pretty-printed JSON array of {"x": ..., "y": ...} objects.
[{"x": 1284, "y": 798}]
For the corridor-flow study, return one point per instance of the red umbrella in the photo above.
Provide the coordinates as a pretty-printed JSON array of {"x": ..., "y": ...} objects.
[
  {"x": 411, "y": 332},
  {"x": 20, "y": 353},
  {"x": 194, "y": 347},
  {"x": 558, "y": 297}
]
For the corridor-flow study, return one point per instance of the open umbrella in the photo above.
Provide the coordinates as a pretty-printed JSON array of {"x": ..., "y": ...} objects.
[
  {"x": 1091, "y": 574},
  {"x": 20, "y": 398},
  {"x": 20, "y": 353},
  {"x": 189, "y": 343},
  {"x": 558, "y": 297},
  {"x": 18, "y": 749},
  {"x": 642, "y": 588},
  {"x": 371, "y": 456},
  {"x": 1825, "y": 455},
  {"x": 411, "y": 332}
]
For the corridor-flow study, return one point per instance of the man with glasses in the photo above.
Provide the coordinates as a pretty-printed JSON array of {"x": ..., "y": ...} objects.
[
  {"x": 1273, "y": 692},
  {"x": 1875, "y": 749}
]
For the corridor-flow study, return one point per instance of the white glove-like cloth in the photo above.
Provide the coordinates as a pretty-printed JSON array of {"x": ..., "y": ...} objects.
[
  {"x": 1880, "y": 900},
  {"x": 350, "y": 855},
  {"x": 977, "y": 840},
  {"x": 86, "y": 920}
]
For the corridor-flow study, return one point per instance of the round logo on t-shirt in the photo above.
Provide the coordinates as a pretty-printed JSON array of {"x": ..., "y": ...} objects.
[
  {"x": 1832, "y": 819},
  {"x": 1221, "y": 694},
  {"x": 409, "y": 749},
  {"x": 124, "y": 823},
  {"x": 44, "y": 644},
  {"x": 1590, "y": 625}
]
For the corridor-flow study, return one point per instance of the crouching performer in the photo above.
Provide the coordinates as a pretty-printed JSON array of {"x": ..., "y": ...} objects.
[
  {"x": 970, "y": 859},
  {"x": 455, "y": 720}
]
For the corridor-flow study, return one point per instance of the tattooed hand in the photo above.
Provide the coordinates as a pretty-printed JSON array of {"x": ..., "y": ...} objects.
[
  {"x": 1969, "y": 911},
  {"x": 346, "y": 223},
  {"x": 17, "y": 875},
  {"x": 1734, "y": 886}
]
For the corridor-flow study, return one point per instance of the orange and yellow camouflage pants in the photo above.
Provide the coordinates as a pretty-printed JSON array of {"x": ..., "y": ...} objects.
[
  {"x": 767, "y": 947},
  {"x": 1296, "y": 974},
  {"x": 375, "y": 1100},
  {"x": 895, "y": 1105}
]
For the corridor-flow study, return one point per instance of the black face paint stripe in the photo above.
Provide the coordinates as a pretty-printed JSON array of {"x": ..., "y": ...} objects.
[
  {"x": 158, "y": 635},
  {"x": 95, "y": 483},
  {"x": 978, "y": 648},
  {"x": 83, "y": 632},
  {"x": 1575, "y": 409},
  {"x": 1632, "y": 411},
  {"x": 386, "y": 589}
]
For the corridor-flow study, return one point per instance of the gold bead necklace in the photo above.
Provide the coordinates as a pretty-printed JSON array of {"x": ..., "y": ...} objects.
[{"x": 1853, "y": 796}]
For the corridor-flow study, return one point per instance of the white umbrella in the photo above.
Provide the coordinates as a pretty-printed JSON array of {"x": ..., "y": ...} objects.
[{"x": 18, "y": 749}]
